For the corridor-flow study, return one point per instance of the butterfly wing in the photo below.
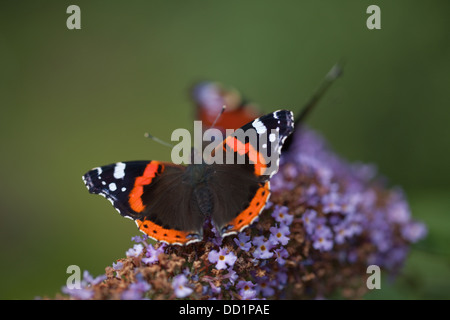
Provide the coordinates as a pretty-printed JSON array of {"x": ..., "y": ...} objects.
[
  {"x": 242, "y": 190},
  {"x": 155, "y": 194},
  {"x": 210, "y": 97}
]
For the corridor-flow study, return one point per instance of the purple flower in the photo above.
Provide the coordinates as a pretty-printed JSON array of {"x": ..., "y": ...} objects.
[
  {"x": 262, "y": 250},
  {"x": 266, "y": 287},
  {"x": 364, "y": 172},
  {"x": 309, "y": 218},
  {"x": 341, "y": 233},
  {"x": 246, "y": 290},
  {"x": 280, "y": 255},
  {"x": 349, "y": 202},
  {"x": 282, "y": 279},
  {"x": 352, "y": 256},
  {"x": 135, "y": 251},
  {"x": 269, "y": 204},
  {"x": 278, "y": 182},
  {"x": 84, "y": 292},
  {"x": 279, "y": 235},
  {"x": 137, "y": 289},
  {"x": 414, "y": 231},
  {"x": 290, "y": 171},
  {"x": 354, "y": 228},
  {"x": 311, "y": 196},
  {"x": 81, "y": 294},
  {"x": 89, "y": 280},
  {"x": 217, "y": 240},
  {"x": 281, "y": 215},
  {"x": 325, "y": 174},
  {"x": 179, "y": 286},
  {"x": 117, "y": 266},
  {"x": 399, "y": 211},
  {"x": 139, "y": 239},
  {"x": 243, "y": 242},
  {"x": 381, "y": 239},
  {"x": 320, "y": 225},
  {"x": 214, "y": 289},
  {"x": 323, "y": 243},
  {"x": 334, "y": 219},
  {"x": 131, "y": 294},
  {"x": 231, "y": 275},
  {"x": 394, "y": 257},
  {"x": 151, "y": 256},
  {"x": 331, "y": 203},
  {"x": 222, "y": 258},
  {"x": 323, "y": 239}
]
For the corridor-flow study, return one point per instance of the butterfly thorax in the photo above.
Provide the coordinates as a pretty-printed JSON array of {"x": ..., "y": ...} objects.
[{"x": 197, "y": 176}]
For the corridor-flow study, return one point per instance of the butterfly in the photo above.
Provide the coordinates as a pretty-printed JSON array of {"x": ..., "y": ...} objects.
[
  {"x": 209, "y": 97},
  {"x": 171, "y": 202}
]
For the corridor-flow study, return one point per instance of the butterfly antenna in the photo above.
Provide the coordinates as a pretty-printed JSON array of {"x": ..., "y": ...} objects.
[
  {"x": 218, "y": 116},
  {"x": 334, "y": 73},
  {"x": 148, "y": 135}
]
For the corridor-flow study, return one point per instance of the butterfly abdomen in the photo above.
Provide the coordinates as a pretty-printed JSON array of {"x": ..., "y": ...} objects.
[{"x": 204, "y": 200}]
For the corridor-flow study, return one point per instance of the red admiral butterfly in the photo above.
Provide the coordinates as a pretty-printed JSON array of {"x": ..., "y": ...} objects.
[
  {"x": 170, "y": 203},
  {"x": 209, "y": 97}
]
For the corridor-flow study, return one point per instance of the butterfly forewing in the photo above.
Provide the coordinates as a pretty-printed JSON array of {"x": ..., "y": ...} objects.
[{"x": 152, "y": 194}]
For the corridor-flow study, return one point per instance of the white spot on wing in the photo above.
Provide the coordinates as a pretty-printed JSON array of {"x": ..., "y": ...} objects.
[
  {"x": 112, "y": 186},
  {"x": 119, "y": 170},
  {"x": 259, "y": 126},
  {"x": 272, "y": 137}
]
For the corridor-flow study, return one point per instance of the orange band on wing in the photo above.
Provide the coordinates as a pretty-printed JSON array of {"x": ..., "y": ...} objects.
[
  {"x": 159, "y": 233},
  {"x": 246, "y": 217},
  {"x": 253, "y": 155},
  {"x": 135, "y": 200}
]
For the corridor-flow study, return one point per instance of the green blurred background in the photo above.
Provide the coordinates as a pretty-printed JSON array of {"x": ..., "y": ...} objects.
[{"x": 75, "y": 99}]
